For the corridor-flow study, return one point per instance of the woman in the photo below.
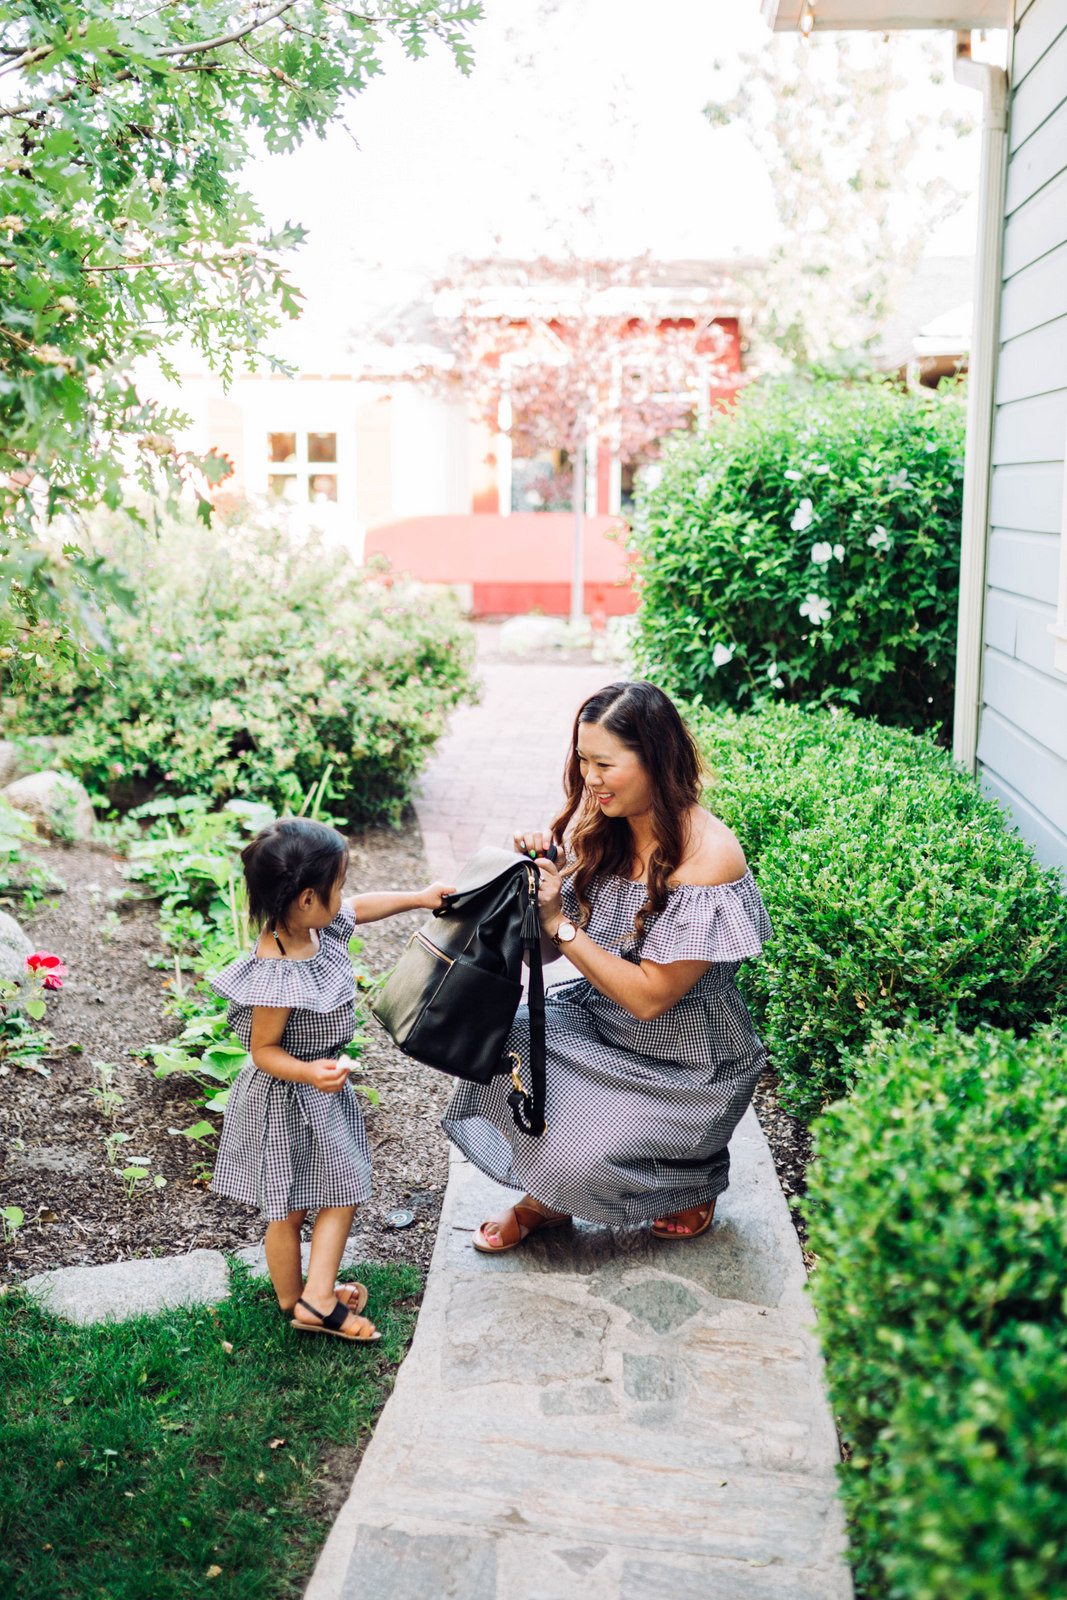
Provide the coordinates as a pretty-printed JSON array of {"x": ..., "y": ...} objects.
[{"x": 652, "y": 1056}]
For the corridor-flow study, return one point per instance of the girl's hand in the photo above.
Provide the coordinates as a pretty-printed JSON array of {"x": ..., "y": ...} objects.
[
  {"x": 433, "y": 898},
  {"x": 328, "y": 1077},
  {"x": 533, "y": 843}
]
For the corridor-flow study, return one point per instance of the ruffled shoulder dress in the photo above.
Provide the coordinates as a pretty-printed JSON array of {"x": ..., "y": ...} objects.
[
  {"x": 638, "y": 1114},
  {"x": 286, "y": 1146}
]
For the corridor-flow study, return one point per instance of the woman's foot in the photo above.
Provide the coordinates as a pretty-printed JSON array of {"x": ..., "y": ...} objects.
[
  {"x": 504, "y": 1233},
  {"x": 339, "y": 1323},
  {"x": 353, "y": 1295},
  {"x": 684, "y": 1224}
]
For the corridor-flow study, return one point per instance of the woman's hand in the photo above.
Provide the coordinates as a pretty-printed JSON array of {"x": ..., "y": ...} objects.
[
  {"x": 533, "y": 843},
  {"x": 433, "y": 897},
  {"x": 549, "y": 894}
]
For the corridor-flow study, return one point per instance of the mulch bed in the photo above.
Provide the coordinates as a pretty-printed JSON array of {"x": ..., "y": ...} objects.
[
  {"x": 112, "y": 1007},
  {"x": 790, "y": 1142}
]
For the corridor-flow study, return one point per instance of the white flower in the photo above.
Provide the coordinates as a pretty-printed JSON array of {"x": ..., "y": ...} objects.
[
  {"x": 930, "y": 446},
  {"x": 879, "y": 538},
  {"x": 777, "y": 683},
  {"x": 803, "y": 516},
  {"x": 839, "y": 552},
  {"x": 897, "y": 480},
  {"x": 816, "y": 609},
  {"x": 821, "y": 553},
  {"x": 703, "y": 485},
  {"x": 721, "y": 654},
  {"x": 652, "y": 476},
  {"x": 772, "y": 670},
  {"x": 824, "y": 466},
  {"x": 794, "y": 477}
]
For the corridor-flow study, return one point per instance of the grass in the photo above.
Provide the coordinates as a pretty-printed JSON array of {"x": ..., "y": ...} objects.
[{"x": 143, "y": 1461}]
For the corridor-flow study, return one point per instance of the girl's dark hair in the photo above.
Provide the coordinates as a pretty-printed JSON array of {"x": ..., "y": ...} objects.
[
  {"x": 284, "y": 859},
  {"x": 647, "y": 722}
]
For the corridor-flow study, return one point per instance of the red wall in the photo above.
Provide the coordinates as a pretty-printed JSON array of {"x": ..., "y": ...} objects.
[{"x": 514, "y": 564}]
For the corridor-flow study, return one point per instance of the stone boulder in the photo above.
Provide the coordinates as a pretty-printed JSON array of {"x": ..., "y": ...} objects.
[
  {"x": 57, "y": 804},
  {"x": 19, "y": 758},
  {"x": 15, "y": 946}
]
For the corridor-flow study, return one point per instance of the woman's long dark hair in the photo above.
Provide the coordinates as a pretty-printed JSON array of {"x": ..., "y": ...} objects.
[
  {"x": 647, "y": 722},
  {"x": 285, "y": 858}
]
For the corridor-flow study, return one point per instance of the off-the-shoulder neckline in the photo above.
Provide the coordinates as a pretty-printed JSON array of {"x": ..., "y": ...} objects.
[
  {"x": 295, "y": 961},
  {"x": 639, "y": 883}
]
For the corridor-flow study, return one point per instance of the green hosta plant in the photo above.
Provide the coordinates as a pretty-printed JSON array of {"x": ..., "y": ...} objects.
[{"x": 806, "y": 549}]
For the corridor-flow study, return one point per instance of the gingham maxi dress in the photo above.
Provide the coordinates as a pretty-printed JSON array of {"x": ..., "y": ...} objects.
[
  {"x": 638, "y": 1114},
  {"x": 286, "y": 1146}
]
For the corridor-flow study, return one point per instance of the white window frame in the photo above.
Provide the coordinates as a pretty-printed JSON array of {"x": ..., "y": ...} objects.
[{"x": 1058, "y": 629}]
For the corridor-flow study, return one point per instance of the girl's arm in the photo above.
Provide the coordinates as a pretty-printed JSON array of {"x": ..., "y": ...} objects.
[
  {"x": 390, "y": 902},
  {"x": 645, "y": 990},
  {"x": 268, "y": 1025}
]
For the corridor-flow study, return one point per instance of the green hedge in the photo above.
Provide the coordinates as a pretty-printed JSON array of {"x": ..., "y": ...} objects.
[
  {"x": 806, "y": 549},
  {"x": 938, "y": 1213},
  {"x": 249, "y": 666},
  {"x": 893, "y": 886}
]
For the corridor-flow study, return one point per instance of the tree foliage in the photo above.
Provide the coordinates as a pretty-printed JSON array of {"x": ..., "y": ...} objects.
[
  {"x": 849, "y": 172},
  {"x": 124, "y": 230}
]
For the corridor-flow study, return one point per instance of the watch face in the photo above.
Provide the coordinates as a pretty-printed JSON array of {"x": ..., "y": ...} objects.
[{"x": 566, "y": 932}]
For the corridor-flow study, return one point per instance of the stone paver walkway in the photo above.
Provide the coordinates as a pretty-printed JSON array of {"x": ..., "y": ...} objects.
[{"x": 595, "y": 1416}]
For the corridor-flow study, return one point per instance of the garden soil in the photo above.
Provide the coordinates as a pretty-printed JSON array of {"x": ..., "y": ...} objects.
[{"x": 112, "y": 1008}]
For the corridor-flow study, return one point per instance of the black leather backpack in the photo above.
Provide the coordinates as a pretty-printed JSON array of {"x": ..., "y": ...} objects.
[{"x": 451, "y": 998}]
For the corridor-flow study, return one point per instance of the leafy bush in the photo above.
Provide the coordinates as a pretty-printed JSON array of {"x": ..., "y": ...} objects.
[
  {"x": 249, "y": 666},
  {"x": 806, "y": 548},
  {"x": 893, "y": 885},
  {"x": 938, "y": 1211}
]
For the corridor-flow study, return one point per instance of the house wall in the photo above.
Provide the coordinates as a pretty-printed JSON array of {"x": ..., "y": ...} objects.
[{"x": 1022, "y": 744}]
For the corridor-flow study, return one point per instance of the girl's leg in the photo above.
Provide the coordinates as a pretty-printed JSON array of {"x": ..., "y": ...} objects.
[
  {"x": 282, "y": 1245},
  {"x": 328, "y": 1238}
]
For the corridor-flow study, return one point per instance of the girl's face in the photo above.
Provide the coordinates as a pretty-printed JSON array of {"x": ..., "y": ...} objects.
[
  {"x": 615, "y": 779},
  {"x": 315, "y": 912}
]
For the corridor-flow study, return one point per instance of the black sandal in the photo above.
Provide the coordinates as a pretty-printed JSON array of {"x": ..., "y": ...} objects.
[{"x": 332, "y": 1323}]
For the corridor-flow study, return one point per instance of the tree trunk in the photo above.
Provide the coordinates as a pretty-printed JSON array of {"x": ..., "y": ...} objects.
[{"x": 578, "y": 502}]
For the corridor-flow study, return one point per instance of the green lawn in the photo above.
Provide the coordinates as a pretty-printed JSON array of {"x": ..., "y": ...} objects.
[{"x": 144, "y": 1461}]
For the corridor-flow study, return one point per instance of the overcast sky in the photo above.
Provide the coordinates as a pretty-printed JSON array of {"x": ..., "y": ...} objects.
[{"x": 569, "y": 103}]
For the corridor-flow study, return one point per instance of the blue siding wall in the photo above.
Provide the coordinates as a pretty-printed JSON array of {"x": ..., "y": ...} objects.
[{"x": 1022, "y": 743}]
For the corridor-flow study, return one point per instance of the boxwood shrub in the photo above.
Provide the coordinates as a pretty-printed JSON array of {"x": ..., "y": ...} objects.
[
  {"x": 938, "y": 1212},
  {"x": 894, "y": 887},
  {"x": 806, "y": 549},
  {"x": 249, "y": 665}
]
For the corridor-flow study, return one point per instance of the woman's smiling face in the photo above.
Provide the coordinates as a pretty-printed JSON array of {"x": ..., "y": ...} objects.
[{"x": 614, "y": 777}]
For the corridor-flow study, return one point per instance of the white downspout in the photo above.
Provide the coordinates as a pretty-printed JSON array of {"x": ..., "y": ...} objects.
[{"x": 992, "y": 83}]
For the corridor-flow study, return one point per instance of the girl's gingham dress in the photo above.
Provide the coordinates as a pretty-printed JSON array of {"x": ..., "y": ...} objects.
[
  {"x": 638, "y": 1114},
  {"x": 286, "y": 1146}
]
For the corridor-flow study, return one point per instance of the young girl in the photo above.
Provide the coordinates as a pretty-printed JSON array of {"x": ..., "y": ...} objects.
[{"x": 293, "y": 1138}]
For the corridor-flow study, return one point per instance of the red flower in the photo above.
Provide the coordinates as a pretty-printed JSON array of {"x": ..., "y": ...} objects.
[{"x": 50, "y": 967}]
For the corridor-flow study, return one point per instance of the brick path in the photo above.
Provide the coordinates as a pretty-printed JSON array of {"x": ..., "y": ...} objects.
[{"x": 500, "y": 766}]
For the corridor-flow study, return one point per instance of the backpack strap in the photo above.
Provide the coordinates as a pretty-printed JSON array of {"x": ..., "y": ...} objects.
[{"x": 528, "y": 1110}]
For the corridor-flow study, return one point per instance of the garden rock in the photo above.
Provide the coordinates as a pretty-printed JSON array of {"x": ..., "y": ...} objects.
[
  {"x": 18, "y": 760},
  {"x": 15, "y": 946},
  {"x": 125, "y": 1289},
  {"x": 58, "y": 805}
]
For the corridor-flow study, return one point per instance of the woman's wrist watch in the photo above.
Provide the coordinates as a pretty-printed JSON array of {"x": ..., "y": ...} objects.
[{"x": 565, "y": 932}]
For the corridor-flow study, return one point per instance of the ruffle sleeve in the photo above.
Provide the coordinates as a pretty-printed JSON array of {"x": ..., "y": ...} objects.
[
  {"x": 722, "y": 922},
  {"x": 342, "y": 927},
  {"x": 322, "y": 983}
]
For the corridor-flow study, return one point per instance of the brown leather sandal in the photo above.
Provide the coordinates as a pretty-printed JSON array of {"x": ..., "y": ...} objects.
[
  {"x": 702, "y": 1215},
  {"x": 352, "y": 1295},
  {"x": 513, "y": 1227},
  {"x": 332, "y": 1323}
]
